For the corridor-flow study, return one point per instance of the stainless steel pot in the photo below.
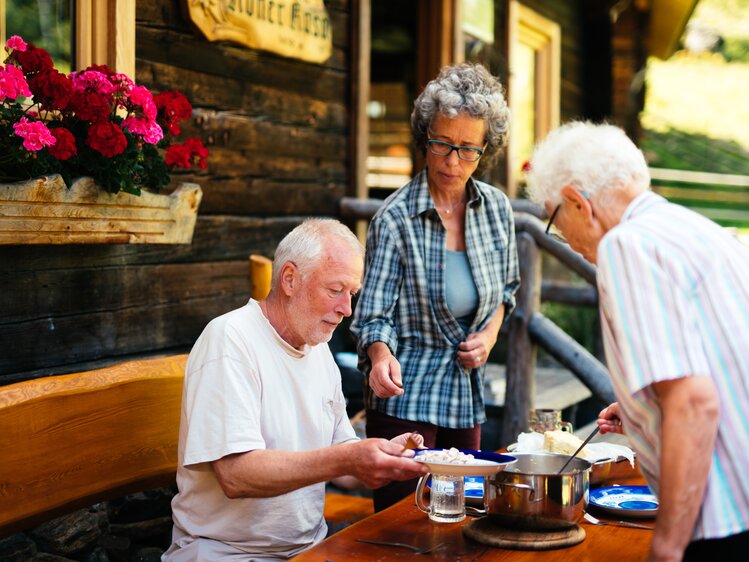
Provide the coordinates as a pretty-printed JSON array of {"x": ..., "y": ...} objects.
[{"x": 529, "y": 494}]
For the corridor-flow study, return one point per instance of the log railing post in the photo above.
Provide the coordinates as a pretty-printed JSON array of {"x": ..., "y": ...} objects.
[{"x": 521, "y": 350}]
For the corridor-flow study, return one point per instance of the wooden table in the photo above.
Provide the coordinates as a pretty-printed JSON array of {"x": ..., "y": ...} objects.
[{"x": 403, "y": 522}]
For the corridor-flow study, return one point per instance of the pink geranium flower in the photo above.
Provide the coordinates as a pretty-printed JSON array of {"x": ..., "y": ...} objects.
[
  {"x": 12, "y": 83},
  {"x": 146, "y": 128},
  {"x": 92, "y": 81},
  {"x": 141, "y": 97},
  {"x": 15, "y": 43},
  {"x": 35, "y": 134}
]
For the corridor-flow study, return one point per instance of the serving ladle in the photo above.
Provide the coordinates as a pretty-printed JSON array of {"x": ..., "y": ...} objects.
[{"x": 580, "y": 448}]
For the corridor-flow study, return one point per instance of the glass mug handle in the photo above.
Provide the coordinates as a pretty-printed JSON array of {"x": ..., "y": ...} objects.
[
  {"x": 420, "y": 494},
  {"x": 565, "y": 426}
]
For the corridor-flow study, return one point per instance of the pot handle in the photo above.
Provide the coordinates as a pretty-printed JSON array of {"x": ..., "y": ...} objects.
[
  {"x": 420, "y": 494},
  {"x": 475, "y": 511},
  {"x": 521, "y": 486}
]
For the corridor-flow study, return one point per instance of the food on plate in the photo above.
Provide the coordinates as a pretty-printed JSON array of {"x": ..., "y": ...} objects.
[
  {"x": 445, "y": 456},
  {"x": 563, "y": 442}
]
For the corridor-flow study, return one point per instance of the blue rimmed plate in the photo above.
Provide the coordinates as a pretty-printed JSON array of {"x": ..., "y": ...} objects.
[
  {"x": 483, "y": 463},
  {"x": 626, "y": 501}
]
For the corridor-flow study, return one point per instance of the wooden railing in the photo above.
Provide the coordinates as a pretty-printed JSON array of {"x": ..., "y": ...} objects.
[
  {"x": 528, "y": 327},
  {"x": 723, "y": 198}
]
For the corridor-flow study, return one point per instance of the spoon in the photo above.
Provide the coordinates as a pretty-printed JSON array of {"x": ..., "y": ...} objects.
[{"x": 580, "y": 448}]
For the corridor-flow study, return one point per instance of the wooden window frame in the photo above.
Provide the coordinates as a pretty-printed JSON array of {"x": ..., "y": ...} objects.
[
  {"x": 104, "y": 33},
  {"x": 543, "y": 35}
]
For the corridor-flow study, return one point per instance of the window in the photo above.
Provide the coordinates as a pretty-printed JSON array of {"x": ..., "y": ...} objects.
[
  {"x": 76, "y": 33},
  {"x": 534, "y": 85}
]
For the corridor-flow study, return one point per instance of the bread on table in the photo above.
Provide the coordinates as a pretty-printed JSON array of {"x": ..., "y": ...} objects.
[{"x": 563, "y": 442}]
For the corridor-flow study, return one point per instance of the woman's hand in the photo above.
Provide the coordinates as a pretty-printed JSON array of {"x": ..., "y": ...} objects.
[
  {"x": 385, "y": 376},
  {"x": 609, "y": 420},
  {"x": 474, "y": 352}
]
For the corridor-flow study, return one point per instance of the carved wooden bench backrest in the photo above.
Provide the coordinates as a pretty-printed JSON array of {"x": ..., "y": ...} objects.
[{"x": 69, "y": 441}]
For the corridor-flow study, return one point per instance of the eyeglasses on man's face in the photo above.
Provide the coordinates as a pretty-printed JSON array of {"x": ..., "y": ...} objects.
[
  {"x": 555, "y": 233},
  {"x": 442, "y": 148}
]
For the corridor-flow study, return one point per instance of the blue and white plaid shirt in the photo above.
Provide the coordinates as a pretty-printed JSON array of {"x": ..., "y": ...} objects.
[{"x": 403, "y": 301}]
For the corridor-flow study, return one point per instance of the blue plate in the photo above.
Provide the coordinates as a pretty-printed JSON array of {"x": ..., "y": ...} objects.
[
  {"x": 474, "y": 486},
  {"x": 627, "y": 501}
]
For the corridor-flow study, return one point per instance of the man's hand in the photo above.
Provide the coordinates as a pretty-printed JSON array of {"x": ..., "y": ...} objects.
[
  {"x": 413, "y": 440},
  {"x": 375, "y": 462},
  {"x": 609, "y": 420},
  {"x": 385, "y": 375}
]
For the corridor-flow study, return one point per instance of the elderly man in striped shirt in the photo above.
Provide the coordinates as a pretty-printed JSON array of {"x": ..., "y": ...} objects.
[{"x": 674, "y": 307}]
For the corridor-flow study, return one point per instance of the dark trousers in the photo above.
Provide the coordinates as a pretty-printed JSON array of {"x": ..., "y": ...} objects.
[
  {"x": 729, "y": 549},
  {"x": 387, "y": 427}
]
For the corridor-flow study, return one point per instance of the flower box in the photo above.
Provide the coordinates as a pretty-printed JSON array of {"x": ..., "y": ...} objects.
[{"x": 45, "y": 211}]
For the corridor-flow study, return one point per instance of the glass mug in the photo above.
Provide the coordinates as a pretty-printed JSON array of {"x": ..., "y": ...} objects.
[
  {"x": 447, "y": 502},
  {"x": 542, "y": 419}
]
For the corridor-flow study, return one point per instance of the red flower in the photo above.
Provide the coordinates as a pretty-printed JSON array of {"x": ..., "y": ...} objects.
[
  {"x": 197, "y": 150},
  {"x": 173, "y": 108},
  {"x": 90, "y": 106},
  {"x": 33, "y": 59},
  {"x": 65, "y": 147},
  {"x": 103, "y": 68},
  {"x": 51, "y": 89},
  {"x": 177, "y": 155},
  {"x": 107, "y": 138},
  {"x": 186, "y": 154}
]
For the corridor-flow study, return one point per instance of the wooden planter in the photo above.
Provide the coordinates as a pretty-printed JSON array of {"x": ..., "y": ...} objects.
[{"x": 45, "y": 211}]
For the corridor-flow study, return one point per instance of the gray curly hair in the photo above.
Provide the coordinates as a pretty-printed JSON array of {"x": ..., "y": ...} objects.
[{"x": 464, "y": 88}]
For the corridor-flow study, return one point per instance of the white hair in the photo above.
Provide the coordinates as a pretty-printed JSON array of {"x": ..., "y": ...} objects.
[
  {"x": 592, "y": 158},
  {"x": 305, "y": 244}
]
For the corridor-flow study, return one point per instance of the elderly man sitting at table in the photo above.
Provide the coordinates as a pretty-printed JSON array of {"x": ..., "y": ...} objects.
[
  {"x": 674, "y": 302},
  {"x": 264, "y": 423}
]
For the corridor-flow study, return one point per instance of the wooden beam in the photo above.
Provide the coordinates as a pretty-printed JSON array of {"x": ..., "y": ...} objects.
[
  {"x": 521, "y": 351},
  {"x": 560, "y": 345},
  {"x": 668, "y": 19},
  {"x": 361, "y": 46},
  {"x": 437, "y": 40}
]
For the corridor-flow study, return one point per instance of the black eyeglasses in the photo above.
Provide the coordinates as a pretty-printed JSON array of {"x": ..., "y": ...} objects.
[
  {"x": 442, "y": 148},
  {"x": 555, "y": 234}
]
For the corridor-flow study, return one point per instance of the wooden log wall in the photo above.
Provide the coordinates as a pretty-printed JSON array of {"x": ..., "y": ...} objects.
[{"x": 278, "y": 136}]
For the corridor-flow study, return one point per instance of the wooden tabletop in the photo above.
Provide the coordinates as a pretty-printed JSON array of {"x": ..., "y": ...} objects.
[{"x": 403, "y": 522}]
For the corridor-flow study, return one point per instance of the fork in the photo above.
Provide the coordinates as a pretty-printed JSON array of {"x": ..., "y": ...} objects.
[
  {"x": 597, "y": 521},
  {"x": 413, "y": 548}
]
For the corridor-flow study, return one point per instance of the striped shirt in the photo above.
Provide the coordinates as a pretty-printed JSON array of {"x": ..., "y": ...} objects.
[
  {"x": 674, "y": 300},
  {"x": 403, "y": 302}
]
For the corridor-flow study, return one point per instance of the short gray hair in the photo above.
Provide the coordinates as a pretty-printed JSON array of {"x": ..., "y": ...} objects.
[
  {"x": 592, "y": 158},
  {"x": 464, "y": 88},
  {"x": 304, "y": 245}
]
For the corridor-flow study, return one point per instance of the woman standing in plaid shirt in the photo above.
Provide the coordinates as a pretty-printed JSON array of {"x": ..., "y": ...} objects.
[{"x": 441, "y": 274}]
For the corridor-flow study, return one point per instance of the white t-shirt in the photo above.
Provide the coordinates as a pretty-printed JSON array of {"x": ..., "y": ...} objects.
[{"x": 245, "y": 389}]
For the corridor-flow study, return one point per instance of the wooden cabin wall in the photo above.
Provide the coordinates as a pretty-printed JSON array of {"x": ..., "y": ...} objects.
[{"x": 277, "y": 133}]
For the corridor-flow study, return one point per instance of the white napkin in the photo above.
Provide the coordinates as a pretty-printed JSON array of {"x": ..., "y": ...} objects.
[{"x": 533, "y": 442}]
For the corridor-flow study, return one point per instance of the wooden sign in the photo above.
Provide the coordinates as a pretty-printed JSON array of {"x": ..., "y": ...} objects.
[{"x": 295, "y": 29}]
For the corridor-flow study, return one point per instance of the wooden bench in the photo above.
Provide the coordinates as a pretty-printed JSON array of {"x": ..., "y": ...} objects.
[{"x": 70, "y": 441}]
